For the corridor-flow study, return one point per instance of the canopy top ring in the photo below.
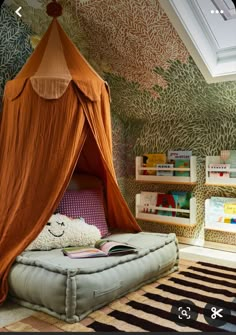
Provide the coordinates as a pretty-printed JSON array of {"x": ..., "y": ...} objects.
[{"x": 54, "y": 9}]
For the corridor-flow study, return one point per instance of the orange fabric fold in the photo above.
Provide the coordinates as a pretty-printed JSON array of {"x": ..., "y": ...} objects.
[
  {"x": 43, "y": 141},
  {"x": 40, "y": 145},
  {"x": 100, "y": 163}
]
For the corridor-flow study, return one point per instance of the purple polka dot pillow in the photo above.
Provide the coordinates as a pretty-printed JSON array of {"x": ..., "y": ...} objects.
[{"x": 87, "y": 204}]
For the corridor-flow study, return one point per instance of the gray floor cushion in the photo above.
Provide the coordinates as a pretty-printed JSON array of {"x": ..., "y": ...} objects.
[{"x": 70, "y": 289}]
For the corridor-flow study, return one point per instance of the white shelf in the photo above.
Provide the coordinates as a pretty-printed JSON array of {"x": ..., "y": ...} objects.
[
  {"x": 166, "y": 179},
  {"x": 228, "y": 181},
  {"x": 218, "y": 226},
  {"x": 191, "y": 221}
]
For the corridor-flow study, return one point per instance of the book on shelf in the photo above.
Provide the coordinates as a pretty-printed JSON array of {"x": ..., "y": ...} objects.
[
  {"x": 230, "y": 208},
  {"x": 229, "y": 157},
  {"x": 182, "y": 201},
  {"x": 165, "y": 201},
  {"x": 182, "y": 163},
  {"x": 229, "y": 213},
  {"x": 180, "y": 159},
  {"x": 102, "y": 248},
  {"x": 220, "y": 210},
  {"x": 148, "y": 200},
  {"x": 164, "y": 172},
  {"x": 174, "y": 155},
  {"x": 151, "y": 160},
  {"x": 227, "y": 220},
  {"x": 215, "y": 173}
]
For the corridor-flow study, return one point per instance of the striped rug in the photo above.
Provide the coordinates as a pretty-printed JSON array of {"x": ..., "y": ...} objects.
[{"x": 149, "y": 309}]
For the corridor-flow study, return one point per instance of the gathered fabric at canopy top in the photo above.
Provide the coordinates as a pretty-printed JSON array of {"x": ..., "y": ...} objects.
[{"x": 56, "y": 117}]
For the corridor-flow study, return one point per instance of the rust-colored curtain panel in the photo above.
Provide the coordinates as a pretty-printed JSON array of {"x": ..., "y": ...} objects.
[
  {"x": 40, "y": 144},
  {"x": 56, "y": 108}
]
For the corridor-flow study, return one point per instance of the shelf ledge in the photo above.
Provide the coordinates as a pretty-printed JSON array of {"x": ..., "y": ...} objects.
[
  {"x": 167, "y": 222},
  {"x": 167, "y": 182}
]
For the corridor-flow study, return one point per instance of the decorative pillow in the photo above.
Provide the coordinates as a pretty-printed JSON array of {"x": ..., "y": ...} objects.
[
  {"x": 87, "y": 204},
  {"x": 61, "y": 231}
]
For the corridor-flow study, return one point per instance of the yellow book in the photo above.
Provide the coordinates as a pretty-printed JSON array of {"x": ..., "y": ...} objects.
[
  {"x": 230, "y": 208},
  {"x": 151, "y": 160}
]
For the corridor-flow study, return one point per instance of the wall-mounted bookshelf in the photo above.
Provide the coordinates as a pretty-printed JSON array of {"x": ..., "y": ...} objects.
[
  {"x": 218, "y": 181},
  {"x": 218, "y": 226},
  {"x": 190, "y": 222},
  {"x": 191, "y": 179}
]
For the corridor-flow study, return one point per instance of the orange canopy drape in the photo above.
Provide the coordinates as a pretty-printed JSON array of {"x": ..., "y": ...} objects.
[{"x": 54, "y": 110}]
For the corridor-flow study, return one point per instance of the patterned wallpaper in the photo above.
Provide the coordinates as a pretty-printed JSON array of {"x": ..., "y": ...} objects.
[
  {"x": 15, "y": 45},
  {"x": 160, "y": 100},
  {"x": 198, "y": 118}
]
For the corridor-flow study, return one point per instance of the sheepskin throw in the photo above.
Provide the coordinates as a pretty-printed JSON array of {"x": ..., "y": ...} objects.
[{"x": 61, "y": 231}]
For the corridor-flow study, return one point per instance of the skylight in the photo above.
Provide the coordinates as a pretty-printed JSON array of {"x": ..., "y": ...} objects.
[{"x": 207, "y": 27}]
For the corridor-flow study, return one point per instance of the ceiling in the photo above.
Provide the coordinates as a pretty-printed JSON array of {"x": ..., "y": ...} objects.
[{"x": 207, "y": 27}]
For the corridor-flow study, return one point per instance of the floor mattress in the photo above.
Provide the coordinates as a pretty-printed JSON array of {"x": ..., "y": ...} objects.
[{"x": 70, "y": 289}]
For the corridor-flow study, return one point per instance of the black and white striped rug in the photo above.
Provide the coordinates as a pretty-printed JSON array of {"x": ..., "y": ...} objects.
[{"x": 151, "y": 307}]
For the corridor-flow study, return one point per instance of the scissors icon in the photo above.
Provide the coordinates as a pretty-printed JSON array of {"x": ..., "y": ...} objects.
[
  {"x": 216, "y": 312},
  {"x": 184, "y": 312}
]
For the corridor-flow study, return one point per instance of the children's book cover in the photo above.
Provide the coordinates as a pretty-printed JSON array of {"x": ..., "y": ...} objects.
[
  {"x": 182, "y": 201},
  {"x": 166, "y": 201},
  {"x": 217, "y": 210},
  {"x": 178, "y": 154},
  {"x": 151, "y": 160},
  {"x": 147, "y": 201},
  {"x": 182, "y": 163},
  {"x": 229, "y": 157}
]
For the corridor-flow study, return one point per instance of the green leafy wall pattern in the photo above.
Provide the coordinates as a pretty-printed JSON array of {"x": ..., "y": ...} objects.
[
  {"x": 15, "y": 45},
  {"x": 189, "y": 115}
]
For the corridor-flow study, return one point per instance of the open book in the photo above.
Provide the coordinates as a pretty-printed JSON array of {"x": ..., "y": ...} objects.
[{"x": 101, "y": 249}]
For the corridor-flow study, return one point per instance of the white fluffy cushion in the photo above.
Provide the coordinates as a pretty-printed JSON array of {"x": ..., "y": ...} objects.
[{"x": 61, "y": 231}]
